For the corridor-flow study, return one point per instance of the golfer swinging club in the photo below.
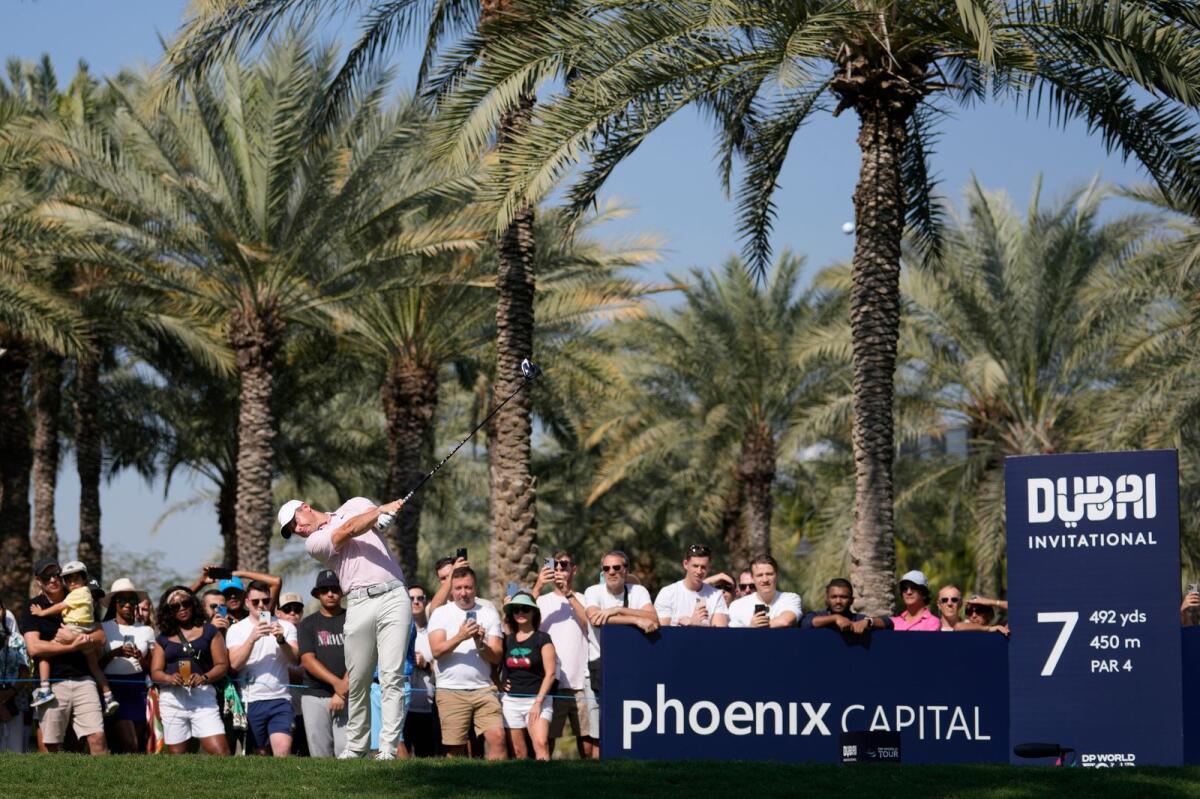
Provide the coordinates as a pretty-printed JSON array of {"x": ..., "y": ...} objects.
[
  {"x": 378, "y": 616},
  {"x": 378, "y": 611}
]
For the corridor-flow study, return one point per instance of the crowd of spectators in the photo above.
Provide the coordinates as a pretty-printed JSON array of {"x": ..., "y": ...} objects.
[{"x": 231, "y": 666}]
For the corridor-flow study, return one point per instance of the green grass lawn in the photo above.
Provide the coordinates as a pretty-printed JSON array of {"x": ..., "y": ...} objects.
[{"x": 196, "y": 777}]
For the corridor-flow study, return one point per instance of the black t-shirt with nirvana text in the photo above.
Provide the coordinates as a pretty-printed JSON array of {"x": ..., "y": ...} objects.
[
  {"x": 523, "y": 668},
  {"x": 71, "y": 666},
  {"x": 324, "y": 637}
]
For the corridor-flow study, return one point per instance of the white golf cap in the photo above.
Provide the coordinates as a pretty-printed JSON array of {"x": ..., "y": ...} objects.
[
  {"x": 286, "y": 514},
  {"x": 122, "y": 585},
  {"x": 916, "y": 578},
  {"x": 73, "y": 567}
]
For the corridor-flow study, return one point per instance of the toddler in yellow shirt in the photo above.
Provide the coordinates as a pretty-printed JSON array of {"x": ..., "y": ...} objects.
[{"x": 79, "y": 615}]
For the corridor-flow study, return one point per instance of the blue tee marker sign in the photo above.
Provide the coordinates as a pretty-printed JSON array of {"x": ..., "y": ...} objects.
[{"x": 1093, "y": 579}]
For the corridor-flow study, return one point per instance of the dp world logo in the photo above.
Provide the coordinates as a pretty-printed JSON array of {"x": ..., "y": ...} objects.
[{"x": 1097, "y": 497}]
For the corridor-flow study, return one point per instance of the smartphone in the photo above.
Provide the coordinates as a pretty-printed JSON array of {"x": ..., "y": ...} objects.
[
  {"x": 217, "y": 573},
  {"x": 471, "y": 615},
  {"x": 265, "y": 617},
  {"x": 763, "y": 609},
  {"x": 548, "y": 563},
  {"x": 222, "y": 610},
  {"x": 127, "y": 640},
  {"x": 1193, "y": 588},
  {"x": 461, "y": 552}
]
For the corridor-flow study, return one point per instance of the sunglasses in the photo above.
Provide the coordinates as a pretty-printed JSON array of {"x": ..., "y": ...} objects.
[
  {"x": 608, "y": 569},
  {"x": 292, "y": 609},
  {"x": 48, "y": 578},
  {"x": 746, "y": 586},
  {"x": 175, "y": 607},
  {"x": 259, "y": 603},
  {"x": 124, "y": 599},
  {"x": 418, "y": 598},
  {"x": 522, "y": 611},
  {"x": 950, "y": 600},
  {"x": 329, "y": 589},
  {"x": 565, "y": 565},
  {"x": 703, "y": 550}
]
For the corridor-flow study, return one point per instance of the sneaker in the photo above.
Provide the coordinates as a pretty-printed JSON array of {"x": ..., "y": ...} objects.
[
  {"x": 41, "y": 696},
  {"x": 110, "y": 705},
  {"x": 350, "y": 754},
  {"x": 385, "y": 754}
]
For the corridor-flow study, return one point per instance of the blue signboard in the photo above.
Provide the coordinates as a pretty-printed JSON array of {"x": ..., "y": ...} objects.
[
  {"x": 787, "y": 695},
  {"x": 1093, "y": 573}
]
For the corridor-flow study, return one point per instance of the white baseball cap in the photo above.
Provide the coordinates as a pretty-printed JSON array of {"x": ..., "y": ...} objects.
[
  {"x": 915, "y": 577},
  {"x": 73, "y": 567},
  {"x": 286, "y": 514}
]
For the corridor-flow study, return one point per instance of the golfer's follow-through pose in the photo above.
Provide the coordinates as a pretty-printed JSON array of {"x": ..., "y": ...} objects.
[{"x": 378, "y": 611}]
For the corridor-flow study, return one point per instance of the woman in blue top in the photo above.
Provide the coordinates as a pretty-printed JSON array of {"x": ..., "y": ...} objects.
[{"x": 190, "y": 655}]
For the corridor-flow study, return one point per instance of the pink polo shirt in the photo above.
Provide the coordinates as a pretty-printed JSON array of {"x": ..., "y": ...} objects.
[
  {"x": 924, "y": 623},
  {"x": 363, "y": 560}
]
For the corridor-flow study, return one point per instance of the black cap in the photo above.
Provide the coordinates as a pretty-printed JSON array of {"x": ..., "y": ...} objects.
[
  {"x": 326, "y": 579},
  {"x": 45, "y": 563}
]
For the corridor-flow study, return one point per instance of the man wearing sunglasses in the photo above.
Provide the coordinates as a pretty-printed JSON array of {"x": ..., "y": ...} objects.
[
  {"x": 76, "y": 700},
  {"x": 691, "y": 602},
  {"x": 261, "y": 648},
  {"x": 420, "y": 731},
  {"x": 564, "y": 618},
  {"x": 321, "y": 636},
  {"x": 613, "y": 601}
]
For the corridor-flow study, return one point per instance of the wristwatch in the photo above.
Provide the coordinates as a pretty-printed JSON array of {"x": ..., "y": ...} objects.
[{"x": 870, "y": 623}]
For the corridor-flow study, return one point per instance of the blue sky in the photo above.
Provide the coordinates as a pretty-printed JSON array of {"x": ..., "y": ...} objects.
[{"x": 671, "y": 182}]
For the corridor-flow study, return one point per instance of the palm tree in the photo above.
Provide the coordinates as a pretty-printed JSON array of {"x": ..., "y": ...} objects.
[
  {"x": 712, "y": 398},
  {"x": 238, "y": 212},
  {"x": 1007, "y": 342},
  {"x": 761, "y": 70},
  {"x": 217, "y": 29}
]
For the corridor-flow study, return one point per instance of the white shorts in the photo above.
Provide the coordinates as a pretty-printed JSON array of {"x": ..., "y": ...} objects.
[
  {"x": 189, "y": 715},
  {"x": 516, "y": 710}
]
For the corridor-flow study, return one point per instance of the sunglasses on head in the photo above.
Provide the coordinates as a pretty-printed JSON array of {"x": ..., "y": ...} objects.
[
  {"x": 703, "y": 550},
  {"x": 617, "y": 568},
  {"x": 950, "y": 600}
]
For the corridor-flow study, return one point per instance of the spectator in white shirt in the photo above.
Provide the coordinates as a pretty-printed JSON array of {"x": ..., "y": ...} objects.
[
  {"x": 691, "y": 602},
  {"x": 261, "y": 648},
  {"x": 419, "y": 725},
  {"x": 466, "y": 641},
  {"x": 767, "y": 606},
  {"x": 564, "y": 618}
]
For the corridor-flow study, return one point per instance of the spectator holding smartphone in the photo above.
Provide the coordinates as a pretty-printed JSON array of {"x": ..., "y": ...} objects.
[
  {"x": 564, "y": 618},
  {"x": 916, "y": 617},
  {"x": 189, "y": 655},
  {"x": 212, "y": 601},
  {"x": 691, "y": 602},
  {"x": 1189, "y": 611},
  {"x": 527, "y": 677},
  {"x": 466, "y": 641},
  {"x": 126, "y": 661},
  {"x": 767, "y": 606},
  {"x": 232, "y": 585},
  {"x": 261, "y": 648}
]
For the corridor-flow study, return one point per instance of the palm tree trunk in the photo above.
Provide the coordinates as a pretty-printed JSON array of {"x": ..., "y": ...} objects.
[
  {"x": 732, "y": 529},
  {"x": 227, "y": 521},
  {"x": 410, "y": 394},
  {"x": 756, "y": 471},
  {"x": 88, "y": 461},
  {"x": 15, "y": 465},
  {"x": 255, "y": 336},
  {"x": 46, "y": 379},
  {"x": 513, "y": 492},
  {"x": 879, "y": 209}
]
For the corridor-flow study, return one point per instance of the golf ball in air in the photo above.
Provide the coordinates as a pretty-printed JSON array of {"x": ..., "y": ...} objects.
[{"x": 847, "y": 228}]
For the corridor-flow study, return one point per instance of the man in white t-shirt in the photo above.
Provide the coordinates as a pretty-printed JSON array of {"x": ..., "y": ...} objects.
[
  {"x": 564, "y": 619},
  {"x": 465, "y": 640},
  {"x": 691, "y": 602},
  {"x": 261, "y": 648},
  {"x": 418, "y": 724},
  {"x": 613, "y": 601},
  {"x": 767, "y": 606}
]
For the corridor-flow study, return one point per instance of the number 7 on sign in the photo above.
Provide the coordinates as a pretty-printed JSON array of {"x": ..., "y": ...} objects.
[{"x": 1067, "y": 619}]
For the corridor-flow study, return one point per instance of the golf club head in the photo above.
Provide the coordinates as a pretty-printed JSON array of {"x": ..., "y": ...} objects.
[{"x": 530, "y": 369}]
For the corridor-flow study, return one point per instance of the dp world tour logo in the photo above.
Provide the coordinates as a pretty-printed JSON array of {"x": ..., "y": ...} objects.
[{"x": 1094, "y": 496}]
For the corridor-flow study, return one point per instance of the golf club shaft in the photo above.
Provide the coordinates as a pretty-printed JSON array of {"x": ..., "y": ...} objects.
[{"x": 486, "y": 419}]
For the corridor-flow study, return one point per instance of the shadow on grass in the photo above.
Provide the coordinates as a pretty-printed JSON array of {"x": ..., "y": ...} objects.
[{"x": 199, "y": 777}]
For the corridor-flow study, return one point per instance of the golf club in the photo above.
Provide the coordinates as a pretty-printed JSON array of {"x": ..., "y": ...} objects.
[{"x": 529, "y": 372}]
